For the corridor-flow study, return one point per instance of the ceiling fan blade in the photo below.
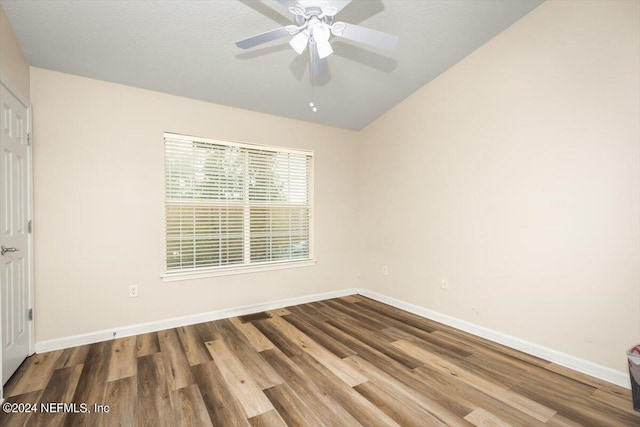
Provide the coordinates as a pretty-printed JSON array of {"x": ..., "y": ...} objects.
[
  {"x": 364, "y": 35},
  {"x": 317, "y": 65},
  {"x": 337, "y": 4},
  {"x": 264, "y": 37}
]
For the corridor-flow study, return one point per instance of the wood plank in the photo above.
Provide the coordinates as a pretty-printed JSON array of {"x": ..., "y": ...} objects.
[
  {"x": 585, "y": 410},
  {"x": 528, "y": 406},
  {"x": 206, "y": 331},
  {"x": 405, "y": 413},
  {"x": 189, "y": 408},
  {"x": 397, "y": 325},
  {"x": 404, "y": 317},
  {"x": 457, "y": 406},
  {"x": 480, "y": 417},
  {"x": 257, "y": 340},
  {"x": 268, "y": 419},
  {"x": 365, "y": 412},
  {"x": 176, "y": 365},
  {"x": 279, "y": 312},
  {"x": 119, "y": 395},
  {"x": 61, "y": 388},
  {"x": 122, "y": 363},
  {"x": 375, "y": 323},
  {"x": 559, "y": 420},
  {"x": 352, "y": 298},
  {"x": 194, "y": 347},
  {"x": 434, "y": 342},
  {"x": 436, "y": 328},
  {"x": 293, "y": 410},
  {"x": 20, "y": 419},
  {"x": 343, "y": 371},
  {"x": 397, "y": 387},
  {"x": 92, "y": 384},
  {"x": 147, "y": 344},
  {"x": 472, "y": 340},
  {"x": 375, "y": 341},
  {"x": 516, "y": 372},
  {"x": 614, "y": 400},
  {"x": 327, "y": 410},
  {"x": 589, "y": 380},
  {"x": 472, "y": 398},
  {"x": 479, "y": 345},
  {"x": 278, "y": 338},
  {"x": 239, "y": 380},
  {"x": 40, "y": 368},
  {"x": 72, "y": 357},
  {"x": 254, "y": 316},
  {"x": 223, "y": 407},
  {"x": 260, "y": 370},
  {"x": 513, "y": 370},
  {"x": 153, "y": 404},
  {"x": 328, "y": 342}
]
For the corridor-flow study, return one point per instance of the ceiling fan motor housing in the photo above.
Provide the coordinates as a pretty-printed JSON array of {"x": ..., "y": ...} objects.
[
  {"x": 313, "y": 25},
  {"x": 311, "y": 12}
]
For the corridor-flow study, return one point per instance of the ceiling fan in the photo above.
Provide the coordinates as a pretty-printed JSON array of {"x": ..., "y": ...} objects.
[{"x": 314, "y": 23}]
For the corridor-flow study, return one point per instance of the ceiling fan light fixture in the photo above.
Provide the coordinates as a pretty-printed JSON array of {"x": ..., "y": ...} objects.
[
  {"x": 324, "y": 48},
  {"x": 299, "y": 41},
  {"x": 321, "y": 34}
]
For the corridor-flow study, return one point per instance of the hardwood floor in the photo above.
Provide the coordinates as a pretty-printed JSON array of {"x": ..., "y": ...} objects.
[{"x": 344, "y": 362}]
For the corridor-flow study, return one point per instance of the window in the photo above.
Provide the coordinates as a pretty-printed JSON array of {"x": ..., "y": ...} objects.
[{"x": 230, "y": 206}]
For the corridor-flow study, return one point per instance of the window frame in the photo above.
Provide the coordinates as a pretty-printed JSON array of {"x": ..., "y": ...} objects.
[{"x": 225, "y": 270}]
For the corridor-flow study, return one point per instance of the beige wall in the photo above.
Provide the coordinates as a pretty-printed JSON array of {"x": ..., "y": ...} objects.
[
  {"x": 13, "y": 64},
  {"x": 99, "y": 203},
  {"x": 515, "y": 175}
]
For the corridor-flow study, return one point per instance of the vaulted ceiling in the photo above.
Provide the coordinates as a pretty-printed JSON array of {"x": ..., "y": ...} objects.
[{"x": 188, "y": 48}]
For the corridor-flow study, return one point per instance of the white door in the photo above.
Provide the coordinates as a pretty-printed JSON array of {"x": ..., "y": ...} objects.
[{"x": 14, "y": 232}]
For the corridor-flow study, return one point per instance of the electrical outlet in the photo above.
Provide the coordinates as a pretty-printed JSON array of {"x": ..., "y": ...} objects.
[
  {"x": 385, "y": 270},
  {"x": 445, "y": 284},
  {"x": 133, "y": 291}
]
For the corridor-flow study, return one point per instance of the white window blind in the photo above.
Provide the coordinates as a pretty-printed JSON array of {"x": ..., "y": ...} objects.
[{"x": 230, "y": 205}]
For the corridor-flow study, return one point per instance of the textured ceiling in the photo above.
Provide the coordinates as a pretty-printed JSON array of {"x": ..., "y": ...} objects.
[{"x": 187, "y": 48}]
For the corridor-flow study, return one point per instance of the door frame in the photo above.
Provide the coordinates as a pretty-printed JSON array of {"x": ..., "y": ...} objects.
[{"x": 6, "y": 83}]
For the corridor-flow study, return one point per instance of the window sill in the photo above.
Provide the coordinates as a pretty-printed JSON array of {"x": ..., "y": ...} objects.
[{"x": 228, "y": 271}]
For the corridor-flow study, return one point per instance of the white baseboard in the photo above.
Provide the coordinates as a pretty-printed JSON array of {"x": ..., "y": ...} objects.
[
  {"x": 566, "y": 360},
  {"x": 142, "y": 328},
  {"x": 572, "y": 362}
]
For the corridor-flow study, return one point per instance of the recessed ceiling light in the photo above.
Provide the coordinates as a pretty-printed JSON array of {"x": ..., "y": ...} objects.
[
  {"x": 311, "y": 104},
  {"x": 314, "y": 109}
]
